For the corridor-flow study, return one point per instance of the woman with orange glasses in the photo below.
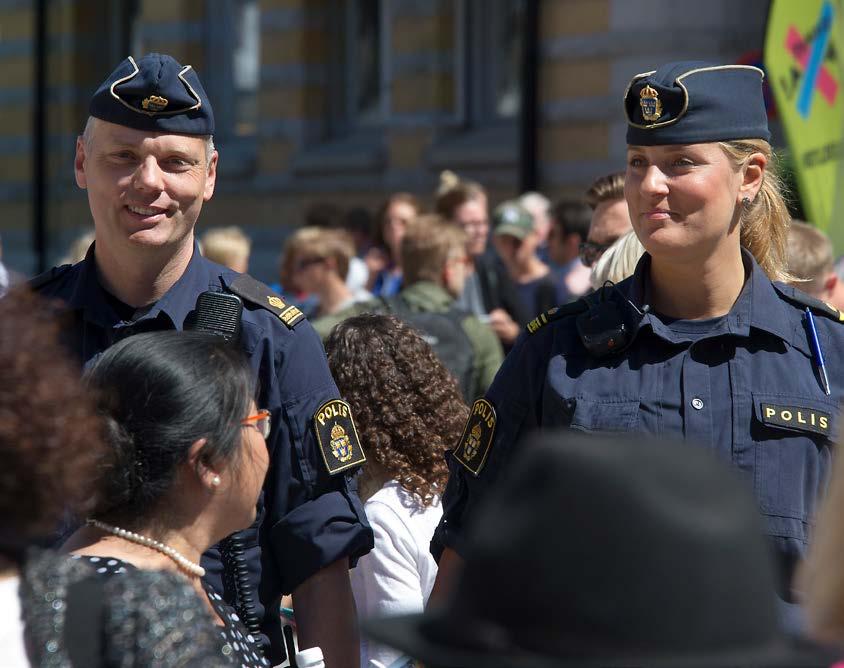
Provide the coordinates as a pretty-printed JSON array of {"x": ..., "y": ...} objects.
[{"x": 187, "y": 464}]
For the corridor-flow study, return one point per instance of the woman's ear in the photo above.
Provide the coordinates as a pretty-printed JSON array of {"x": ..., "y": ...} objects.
[
  {"x": 753, "y": 172},
  {"x": 208, "y": 475}
]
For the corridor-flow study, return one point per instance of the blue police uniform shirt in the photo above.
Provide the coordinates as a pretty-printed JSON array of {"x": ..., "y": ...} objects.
[
  {"x": 744, "y": 385},
  {"x": 307, "y": 519}
]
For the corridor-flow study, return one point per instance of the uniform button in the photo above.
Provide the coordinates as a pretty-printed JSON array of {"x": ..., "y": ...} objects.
[{"x": 697, "y": 403}]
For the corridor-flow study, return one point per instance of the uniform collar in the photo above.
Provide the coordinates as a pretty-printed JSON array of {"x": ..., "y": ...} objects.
[
  {"x": 89, "y": 295},
  {"x": 758, "y": 307},
  {"x": 180, "y": 299}
]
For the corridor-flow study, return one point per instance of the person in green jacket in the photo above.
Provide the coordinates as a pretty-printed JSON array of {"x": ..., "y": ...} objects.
[{"x": 436, "y": 266}]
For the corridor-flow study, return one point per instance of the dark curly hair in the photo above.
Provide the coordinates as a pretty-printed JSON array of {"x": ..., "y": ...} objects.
[
  {"x": 408, "y": 408},
  {"x": 50, "y": 438}
]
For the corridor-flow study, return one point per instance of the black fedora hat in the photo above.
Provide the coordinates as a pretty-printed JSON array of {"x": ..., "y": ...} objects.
[{"x": 604, "y": 552}]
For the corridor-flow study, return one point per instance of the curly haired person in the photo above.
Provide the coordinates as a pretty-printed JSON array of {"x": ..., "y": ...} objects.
[{"x": 408, "y": 410}]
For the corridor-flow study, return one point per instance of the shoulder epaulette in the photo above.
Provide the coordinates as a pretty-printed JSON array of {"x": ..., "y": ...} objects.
[
  {"x": 556, "y": 313},
  {"x": 258, "y": 294},
  {"x": 48, "y": 276},
  {"x": 800, "y": 298}
]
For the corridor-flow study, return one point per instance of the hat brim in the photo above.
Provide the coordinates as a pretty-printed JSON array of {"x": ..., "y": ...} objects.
[
  {"x": 407, "y": 633},
  {"x": 511, "y": 230}
]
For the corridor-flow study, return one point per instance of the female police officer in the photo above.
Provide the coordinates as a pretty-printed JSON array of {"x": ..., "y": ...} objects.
[{"x": 701, "y": 341}]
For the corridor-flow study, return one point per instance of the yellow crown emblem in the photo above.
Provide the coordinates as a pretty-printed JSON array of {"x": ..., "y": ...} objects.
[
  {"x": 650, "y": 103},
  {"x": 155, "y": 103},
  {"x": 476, "y": 431},
  {"x": 275, "y": 301},
  {"x": 337, "y": 431}
]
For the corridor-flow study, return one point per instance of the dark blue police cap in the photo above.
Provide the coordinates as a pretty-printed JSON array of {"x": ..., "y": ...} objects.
[
  {"x": 156, "y": 94},
  {"x": 695, "y": 102}
]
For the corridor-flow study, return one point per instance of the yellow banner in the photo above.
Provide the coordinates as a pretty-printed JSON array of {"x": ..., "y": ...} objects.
[{"x": 803, "y": 61}]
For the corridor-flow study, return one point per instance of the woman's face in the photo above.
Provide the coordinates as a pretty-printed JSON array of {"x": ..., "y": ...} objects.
[
  {"x": 250, "y": 470},
  {"x": 683, "y": 200},
  {"x": 474, "y": 219},
  {"x": 396, "y": 219}
]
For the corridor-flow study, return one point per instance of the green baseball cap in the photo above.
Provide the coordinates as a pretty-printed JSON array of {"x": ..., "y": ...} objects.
[{"x": 512, "y": 219}]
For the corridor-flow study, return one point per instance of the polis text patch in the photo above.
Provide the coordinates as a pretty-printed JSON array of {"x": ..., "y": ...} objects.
[{"x": 796, "y": 417}]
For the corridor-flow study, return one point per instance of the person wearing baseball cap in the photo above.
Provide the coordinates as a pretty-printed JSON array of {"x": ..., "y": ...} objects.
[{"x": 517, "y": 242}]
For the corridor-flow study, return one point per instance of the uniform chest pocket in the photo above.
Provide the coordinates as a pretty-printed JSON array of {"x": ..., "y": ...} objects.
[
  {"x": 602, "y": 416},
  {"x": 778, "y": 415},
  {"x": 792, "y": 437}
]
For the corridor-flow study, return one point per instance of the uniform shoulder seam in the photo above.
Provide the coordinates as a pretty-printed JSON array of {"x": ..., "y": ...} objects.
[
  {"x": 48, "y": 276},
  {"x": 557, "y": 313},
  {"x": 800, "y": 298}
]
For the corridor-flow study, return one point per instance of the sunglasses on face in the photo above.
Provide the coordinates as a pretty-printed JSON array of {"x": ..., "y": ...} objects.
[
  {"x": 305, "y": 262},
  {"x": 590, "y": 252}
]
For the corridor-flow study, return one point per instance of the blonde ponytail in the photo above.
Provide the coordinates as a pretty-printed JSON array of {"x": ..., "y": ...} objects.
[{"x": 765, "y": 223}]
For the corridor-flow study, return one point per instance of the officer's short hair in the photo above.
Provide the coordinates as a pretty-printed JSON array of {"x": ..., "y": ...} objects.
[
  {"x": 428, "y": 243},
  {"x": 88, "y": 138},
  {"x": 810, "y": 255},
  {"x": 572, "y": 217},
  {"x": 226, "y": 245},
  {"x": 605, "y": 189}
]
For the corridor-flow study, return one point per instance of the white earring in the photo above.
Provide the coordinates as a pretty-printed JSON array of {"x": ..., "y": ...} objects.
[{"x": 215, "y": 481}]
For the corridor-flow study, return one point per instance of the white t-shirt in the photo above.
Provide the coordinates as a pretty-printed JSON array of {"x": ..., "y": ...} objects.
[
  {"x": 12, "y": 649},
  {"x": 397, "y": 576}
]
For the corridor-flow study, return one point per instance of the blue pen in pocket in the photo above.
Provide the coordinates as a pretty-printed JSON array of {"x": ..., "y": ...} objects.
[{"x": 816, "y": 350}]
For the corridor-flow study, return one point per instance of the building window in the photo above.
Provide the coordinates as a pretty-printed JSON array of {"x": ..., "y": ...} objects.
[
  {"x": 492, "y": 34},
  {"x": 358, "y": 74}
]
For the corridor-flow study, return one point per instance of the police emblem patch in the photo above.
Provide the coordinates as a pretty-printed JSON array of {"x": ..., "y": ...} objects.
[
  {"x": 650, "y": 103},
  {"x": 476, "y": 440},
  {"x": 155, "y": 103},
  {"x": 337, "y": 436},
  {"x": 276, "y": 301}
]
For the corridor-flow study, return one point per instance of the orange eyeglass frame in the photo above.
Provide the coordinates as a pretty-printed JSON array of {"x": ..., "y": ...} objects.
[{"x": 261, "y": 421}]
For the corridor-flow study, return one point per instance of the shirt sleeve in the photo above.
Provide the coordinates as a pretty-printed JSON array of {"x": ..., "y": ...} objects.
[
  {"x": 314, "y": 517},
  {"x": 512, "y": 396}
]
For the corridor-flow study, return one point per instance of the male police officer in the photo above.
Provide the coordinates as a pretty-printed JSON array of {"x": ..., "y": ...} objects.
[{"x": 148, "y": 163}]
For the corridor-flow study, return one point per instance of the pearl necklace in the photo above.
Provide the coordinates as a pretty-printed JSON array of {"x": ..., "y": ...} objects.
[{"x": 181, "y": 561}]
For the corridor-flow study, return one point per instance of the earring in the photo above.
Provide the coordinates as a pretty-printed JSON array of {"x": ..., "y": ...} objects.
[
  {"x": 215, "y": 481},
  {"x": 745, "y": 202}
]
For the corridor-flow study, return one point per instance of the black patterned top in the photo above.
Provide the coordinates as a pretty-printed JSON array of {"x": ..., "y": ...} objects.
[
  {"x": 237, "y": 642},
  {"x": 149, "y": 618}
]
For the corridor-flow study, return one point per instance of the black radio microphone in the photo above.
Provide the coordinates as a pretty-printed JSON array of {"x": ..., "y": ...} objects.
[
  {"x": 216, "y": 313},
  {"x": 219, "y": 313}
]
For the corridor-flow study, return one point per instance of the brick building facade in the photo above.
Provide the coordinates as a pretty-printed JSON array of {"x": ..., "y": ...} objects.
[{"x": 347, "y": 100}]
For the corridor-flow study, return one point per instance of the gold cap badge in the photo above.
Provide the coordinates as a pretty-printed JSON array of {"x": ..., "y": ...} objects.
[
  {"x": 155, "y": 103},
  {"x": 650, "y": 103}
]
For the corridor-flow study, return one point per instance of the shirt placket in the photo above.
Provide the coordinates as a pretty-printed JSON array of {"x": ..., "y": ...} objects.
[{"x": 697, "y": 400}]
